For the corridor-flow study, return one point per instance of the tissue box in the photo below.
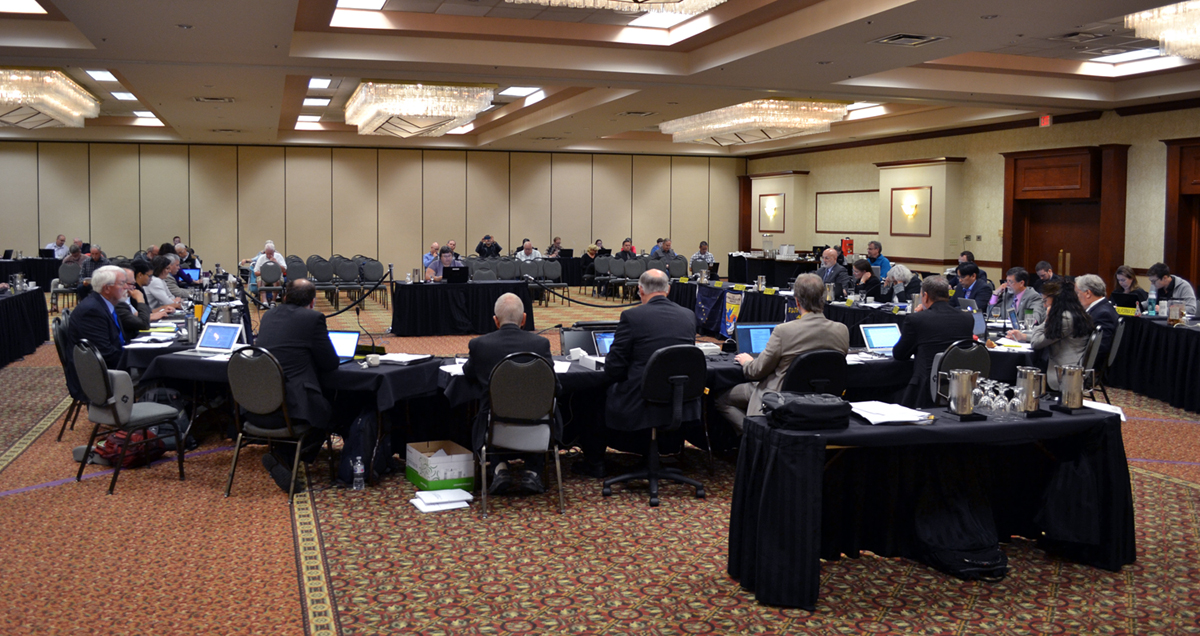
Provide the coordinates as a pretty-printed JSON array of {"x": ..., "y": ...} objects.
[{"x": 439, "y": 466}]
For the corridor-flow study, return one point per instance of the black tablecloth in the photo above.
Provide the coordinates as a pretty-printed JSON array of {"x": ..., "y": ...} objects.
[
  {"x": 759, "y": 307},
  {"x": 1064, "y": 476},
  {"x": 743, "y": 269},
  {"x": 42, "y": 271},
  {"x": 10, "y": 267},
  {"x": 1159, "y": 361},
  {"x": 24, "y": 325},
  {"x": 443, "y": 309},
  {"x": 852, "y": 317},
  {"x": 572, "y": 270}
]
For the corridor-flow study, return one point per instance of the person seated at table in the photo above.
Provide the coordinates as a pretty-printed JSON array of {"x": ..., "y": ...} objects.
[
  {"x": 967, "y": 256},
  {"x": 434, "y": 272},
  {"x": 95, "y": 320},
  {"x": 1172, "y": 287},
  {"x": 866, "y": 283},
  {"x": 1091, "y": 291},
  {"x": 186, "y": 259},
  {"x": 877, "y": 259},
  {"x": 703, "y": 254},
  {"x": 487, "y": 248},
  {"x": 628, "y": 251},
  {"x": 656, "y": 323},
  {"x": 172, "y": 281},
  {"x": 831, "y": 272},
  {"x": 599, "y": 244},
  {"x": 268, "y": 254},
  {"x": 74, "y": 256},
  {"x": 1045, "y": 274},
  {"x": 431, "y": 255},
  {"x": 453, "y": 245},
  {"x": 5, "y": 291},
  {"x": 654, "y": 250},
  {"x": 971, "y": 286},
  {"x": 486, "y": 352},
  {"x": 665, "y": 252},
  {"x": 60, "y": 247},
  {"x": 133, "y": 311},
  {"x": 555, "y": 248},
  {"x": 148, "y": 255},
  {"x": 588, "y": 260},
  {"x": 900, "y": 285},
  {"x": 527, "y": 252},
  {"x": 1014, "y": 294},
  {"x": 87, "y": 268},
  {"x": 812, "y": 331},
  {"x": 932, "y": 327},
  {"x": 298, "y": 337},
  {"x": 1064, "y": 334},
  {"x": 1127, "y": 283},
  {"x": 157, "y": 291}
]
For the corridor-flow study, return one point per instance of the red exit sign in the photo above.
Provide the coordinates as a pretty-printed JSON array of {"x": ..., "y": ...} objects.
[{"x": 1045, "y": 120}]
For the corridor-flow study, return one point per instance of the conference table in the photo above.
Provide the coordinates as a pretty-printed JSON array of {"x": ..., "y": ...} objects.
[
  {"x": 42, "y": 271},
  {"x": 444, "y": 309},
  {"x": 803, "y": 496},
  {"x": 778, "y": 272},
  {"x": 24, "y": 325},
  {"x": 1159, "y": 361}
]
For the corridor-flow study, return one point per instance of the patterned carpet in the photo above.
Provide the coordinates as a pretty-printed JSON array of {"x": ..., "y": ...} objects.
[{"x": 188, "y": 561}]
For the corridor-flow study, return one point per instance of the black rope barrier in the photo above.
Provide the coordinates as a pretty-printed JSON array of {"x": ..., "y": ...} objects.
[{"x": 578, "y": 302}]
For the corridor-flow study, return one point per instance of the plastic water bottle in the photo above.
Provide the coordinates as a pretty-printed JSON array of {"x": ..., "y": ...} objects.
[
  {"x": 1153, "y": 302},
  {"x": 359, "y": 473},
  {"x": 408, "y": 278}
]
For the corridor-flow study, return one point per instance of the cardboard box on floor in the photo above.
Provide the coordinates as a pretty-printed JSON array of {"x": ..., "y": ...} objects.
[{"x": 440, "y": 466}]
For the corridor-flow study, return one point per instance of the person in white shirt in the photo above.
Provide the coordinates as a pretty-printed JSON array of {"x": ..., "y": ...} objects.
[
  {"x": 157, "y": 293},
  {"x": 527, "y": 252},
  {"x": 60, "y": 247},
  {"x": 269, "y": 254}
]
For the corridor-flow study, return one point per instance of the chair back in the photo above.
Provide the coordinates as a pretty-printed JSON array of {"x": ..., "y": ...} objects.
[
  {"x": 507, "y": 270},
  {"x": 634, "y": 268},
  {"x": 109, "y": 393},
  {"x": 677, "y": 267},
  {"x": 531, "y": 268},
  {"x": 347, "y": 271},
  {"x": 602, "y": 264},
  {"x": 674, "y": 375},
  {"x": 269, "y": 273},
  {"x": 257, "y": 382},
  {"x": 822, "y": 371},
  {"x": 373, "y": 271},
  {"x": 315, "y": 258},
  {"x": 1118, "y": 335},
  {"x": 657, "y": 263},
  {"x": 616, "y": 268},
  {"x": 485, "y": 264},
  {"x": 522, "y": 395},
  {"x": 297, "y": 270},
  {"x": 964, "y": 354},
  {"x": 552, "y": 270},
  {"x": 484, "y": 274},
  {"x": 1092, "y": 352},
  {"x": 68, "y": 274},
  {"x": 321, "y": 270}
]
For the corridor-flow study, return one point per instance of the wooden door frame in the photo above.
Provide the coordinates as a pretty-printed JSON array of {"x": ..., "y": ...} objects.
[{"x": 1178, "y": 245}]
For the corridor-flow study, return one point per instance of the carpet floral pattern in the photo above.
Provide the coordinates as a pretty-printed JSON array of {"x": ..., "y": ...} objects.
[{"x": 24, "y": 399}]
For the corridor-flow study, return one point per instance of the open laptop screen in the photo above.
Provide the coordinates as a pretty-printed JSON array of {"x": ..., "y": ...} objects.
[
  {"x": 194, "y": 273},
  {"x": 752, "y": 337},
  {"x": 881, "y": 337},
  {"x": 345, "y": 343},
  {"x": 603, "y": 341},
  {"x": 219, "y": 337}
]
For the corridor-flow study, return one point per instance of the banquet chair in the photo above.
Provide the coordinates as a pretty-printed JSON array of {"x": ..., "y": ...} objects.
[
  {"x": 821, "y": 371},
  {"x": 78, "y": 398},
  {"x": 964, "y": 354}
]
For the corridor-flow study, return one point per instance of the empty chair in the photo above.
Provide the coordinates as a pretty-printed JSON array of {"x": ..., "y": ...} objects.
[
  {"x": 657, "y": 263},
  {"x": 507, "y": 270},
  {"x": 65, "y": 285},
  {"x": 484, "y": 274},
  {"x": 677, "y": 267},
  {"x": 599, "y": 268},
  {"x": 78, "y": 399},
  {"x": 964, "y": 354},
  {"x": 633, "y": 269},
  {"x": 615, "y": 277},
  {"x": 373, "y": 272},
  {"x": 552, "y": 277},
  {"x": 322, "y": 273},
  {"x": 296, "y": 268},
  {"x": 820, "y": 371},
  {"x": 347, "y": 278}
]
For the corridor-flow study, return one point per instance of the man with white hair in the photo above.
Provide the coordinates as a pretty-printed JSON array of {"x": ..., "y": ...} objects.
[
  {"x": 60, "y": 247},
  {"x": 269, "y": 254},
  {"x": 95, "y": 320},
  {"x": 528, "y": 253},
  {"x": 1092, "y": 293},
  {"x": 485, "y": 353}
]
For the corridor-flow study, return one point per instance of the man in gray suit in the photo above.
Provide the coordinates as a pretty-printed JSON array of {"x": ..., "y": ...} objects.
[
  {"x": 832, "y": 272},
  {"x": 812, "y": 331},
  {"x": 1017, "y": 294}
]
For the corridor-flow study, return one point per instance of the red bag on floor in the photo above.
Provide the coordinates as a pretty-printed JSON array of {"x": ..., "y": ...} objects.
[{"x": 138, "y": 454}]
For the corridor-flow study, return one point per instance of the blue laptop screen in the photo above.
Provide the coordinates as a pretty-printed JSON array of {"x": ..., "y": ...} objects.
[
  {"x": 219, "y": 336},
  {"x": 604, "y": 340},
  {"x": 753, "y": 338},
  {"x": 883, "y": 336}
]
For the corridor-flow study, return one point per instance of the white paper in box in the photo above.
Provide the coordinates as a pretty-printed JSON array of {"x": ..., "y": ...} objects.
[{"x": 429, "y": 469}]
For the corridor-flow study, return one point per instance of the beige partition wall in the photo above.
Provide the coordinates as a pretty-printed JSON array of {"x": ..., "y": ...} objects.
[
  {"x": 651, "y": 201},
  {"x": 164, "y": 195},
  {"x": 487, "y": 199},
  {"x": 612, "y": 199},
  {"x": 355, "y": 202},
  {"x": 261, "y": 198},
  {"x": 571, "y": 201},
  {"x": 19, "y": 213},
  {"x": 213, "y": 200},
  {"x": 723, "y": 207},
  {"x": 529, "y": 213},
  {"x": 444, "y": 193},
  {"x": 308, "y": 202},
  {"x": 62, "y": 187},
  {"x": 689, "y": 204},
  {"x": 114, "y": 198},
  {"x": 400, "y": 223}
]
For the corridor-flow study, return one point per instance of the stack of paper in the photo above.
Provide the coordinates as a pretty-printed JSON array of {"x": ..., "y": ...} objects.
[
  {"x": 562, "y": 366},
  {"x": 453, "y": 369},
  {"x": 141, "y": 344},
  {"x": 885, "y": 413},
  {"x": 404, "y": 358},
  {"x": 1004, "y": 344},
  {"x": 439, "y": 500}
]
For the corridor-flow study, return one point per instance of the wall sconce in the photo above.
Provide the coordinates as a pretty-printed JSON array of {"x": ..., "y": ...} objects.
[
  {"x": 909, "y": 208},
  {"x": 771, "y": 210}
]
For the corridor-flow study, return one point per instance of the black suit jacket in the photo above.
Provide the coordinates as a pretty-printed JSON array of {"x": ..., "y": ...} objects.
[
  {"x": 486, "y": 251},
  {"x": 133, "y": 319},
  {"x": 299, "y": 340},
  {"x": 485, "y": 353},
  {"x": 912, "y": 291},
  {"x": 839, "y": 276},
  {"x": 1105, "y": 315},
  {"x": 640, "y": 332},
  {"x": 870, "y": 287},
  {"x": 981, "y": 293},
  {"x": 924, "y": 335},
  {"x": 92, "y": 321}
]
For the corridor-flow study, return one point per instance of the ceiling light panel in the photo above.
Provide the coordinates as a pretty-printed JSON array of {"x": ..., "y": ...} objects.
[
  {"x": 125, "y": 97},
  {"x": 309, "y": 118},
  {"x": 519, "y": 91},
  {"x": 142, "y": 113},
  {"x": 102, "y": 76},
  {"x": 319, "y": 102},
  {"x": 369, "y": 5},
  {"x": 21, "y": 6},
  {"x": 660, "y": 20},
  {"x": 1129, "y": 56},
  {"x": 319, "y": 83}
]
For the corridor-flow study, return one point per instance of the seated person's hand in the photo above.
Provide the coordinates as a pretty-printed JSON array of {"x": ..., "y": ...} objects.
[
  {"x": 3, "y": 286},
  {"x": 743, "y": 358},
  {"x": 1016, "y": 335}
]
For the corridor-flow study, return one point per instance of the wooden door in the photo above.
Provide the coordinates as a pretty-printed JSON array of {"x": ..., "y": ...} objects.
[{"x": 1066, "y": 235}]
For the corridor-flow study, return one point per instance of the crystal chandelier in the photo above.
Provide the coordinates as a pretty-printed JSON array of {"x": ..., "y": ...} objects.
[
  {"x": 752, "y": 122},
  {"x": 409, "y": 109},
  {"x": 686, "y": 7},
  {"x": 43, "y": 99},
  {"x": 1176, "y": 27}
]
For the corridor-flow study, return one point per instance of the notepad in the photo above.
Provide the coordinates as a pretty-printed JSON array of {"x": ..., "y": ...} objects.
[
  {"x": 877, "y": 412},
  {"x": 427, "y": 508},
  {"x": 444, "y": 496},
  {"x": 404, "y": 358}
]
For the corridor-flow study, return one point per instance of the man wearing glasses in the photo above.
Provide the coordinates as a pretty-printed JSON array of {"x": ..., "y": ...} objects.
[{"x": 1172, "y": 287}]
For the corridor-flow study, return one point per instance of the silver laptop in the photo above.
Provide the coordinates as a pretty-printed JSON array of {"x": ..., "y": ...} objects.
[
  {"x": 880, "y": 338},
  {"x": 968, "y": 304},
  {"x": 216, "y": 339},
  {"x": 345, "y": 343}
]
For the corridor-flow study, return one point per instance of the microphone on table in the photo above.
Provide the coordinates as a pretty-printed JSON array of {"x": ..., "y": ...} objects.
[
  {"x": 357, "y": 311},
  {"x": 558, "y": 326}
]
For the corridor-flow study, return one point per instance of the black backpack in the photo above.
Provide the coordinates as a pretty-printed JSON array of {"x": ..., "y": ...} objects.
[{"x": 805, "y": 411}]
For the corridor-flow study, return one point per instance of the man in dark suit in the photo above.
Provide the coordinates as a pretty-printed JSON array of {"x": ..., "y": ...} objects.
[
  {"x": 485, "y": 353},
  {"x": 1091, "y": 291},
  {"x": 833, "y": 272},
  {"x": 928, "y": 331},
  {"x": 297, "y": 336},
  {"x": 1045, "y": 274},
  {"x": 971, "y": 286},
  {"x": 134, "y": 311},
  {"x": 95, "y": 320},
  {"x": 642, "y": 330}
]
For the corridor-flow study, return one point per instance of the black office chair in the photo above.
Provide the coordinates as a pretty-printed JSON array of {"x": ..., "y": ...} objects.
[
  {"x": 269, "y": 278},
  {"x": 674, "y": 375},
  {"x": 1102, "y": 371},
  {"x": 552, "y": 275},
  {"x": 964, "y": 354},
  {"x": 1091, "y": 353},
  {"x": 523, "y": 405},
  {"x": 78, "y": 398},
  {"x": 822, "y": 371}
]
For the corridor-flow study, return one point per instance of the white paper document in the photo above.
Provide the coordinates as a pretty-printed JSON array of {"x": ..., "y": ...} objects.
[
  {"x": 562, "y": 366},
  {"x": 404, "y": 358},
  {"x": 444, "y": 496},
  {"x": 1108, "y": 408},
  {"x": 163, "y": 325},
  {"x": 883, "y": 413},
  {"x": 148, "y": 345},
  {"x": 453, "y": 369},
  {"x": 1007, "y": 344},
  {"x": 427, "y": 508},
  {"x": 859, "y": 358}
]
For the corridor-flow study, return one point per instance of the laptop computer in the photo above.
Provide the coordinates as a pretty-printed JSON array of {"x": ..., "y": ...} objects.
[
  {"x": 456, "y": 274},
  {"x": 193, "y": 273},
  {"x": 217, "y": 338},
  {"x": 880, "y": 338},
  {"x": 714, "y": 269},
  {"x": 8, "y": 255},
  {"x": 980, "y": 329},
  {"x": 345, "y": 343},
  {"x": 46, "y": 252},
  {"x": 967, "y": 304},
  {"x": 566, "y": 252},
  {"x": 752, "y": 337},
  {"x": 603, "y": 341},
  {"x": 604, "y": 252},
  {"x": 1121, "y": 299}
]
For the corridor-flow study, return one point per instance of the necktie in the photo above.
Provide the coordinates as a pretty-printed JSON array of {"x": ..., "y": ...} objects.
[
  {"x": 120, "y": 333},
  {"x": 828, "y": 273}
]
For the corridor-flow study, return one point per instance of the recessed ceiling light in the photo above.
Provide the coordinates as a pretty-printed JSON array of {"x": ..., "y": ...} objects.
[
  {"x": 147, "y": 121},
  {"x": 309, "y": 118},
  {"x": 20, "y": 6},
  {"x": 308, "y": 125},
  {"x": 102, "y": 76},
  {"x": 858, "y": 105},
  {"x": 463, "y": 129},
  {"x": 1128, "y": 57},
  {"x": 370, "y": 5},
  {"x": 125, "y": 97},
  {"x": 316, "y": 101},
  {"x": 319, "y": 82},
  {"x": 660, "y": 20},
  {"x": 142, "y": 113},
  {"x": 519, "y": 91}
]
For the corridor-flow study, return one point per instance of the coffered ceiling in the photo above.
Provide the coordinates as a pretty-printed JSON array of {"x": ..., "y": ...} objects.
[{"x": 233, "y": 71}]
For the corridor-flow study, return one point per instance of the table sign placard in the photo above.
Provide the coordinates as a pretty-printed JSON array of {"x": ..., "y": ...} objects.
[
  {"x": 739, "y": 287},
  {"x": 718, "y": 284},
  {"x": 770, "y": 291},
  {"x": 1127, "y": 311}
]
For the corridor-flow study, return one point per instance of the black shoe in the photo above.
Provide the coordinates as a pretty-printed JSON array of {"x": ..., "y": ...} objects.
[
  {"x": 280, "y": 473},
  {"x": 589, "y": 469},
  {"x": 531, "y": 482},
  {"x": 500, "y": 483}
]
